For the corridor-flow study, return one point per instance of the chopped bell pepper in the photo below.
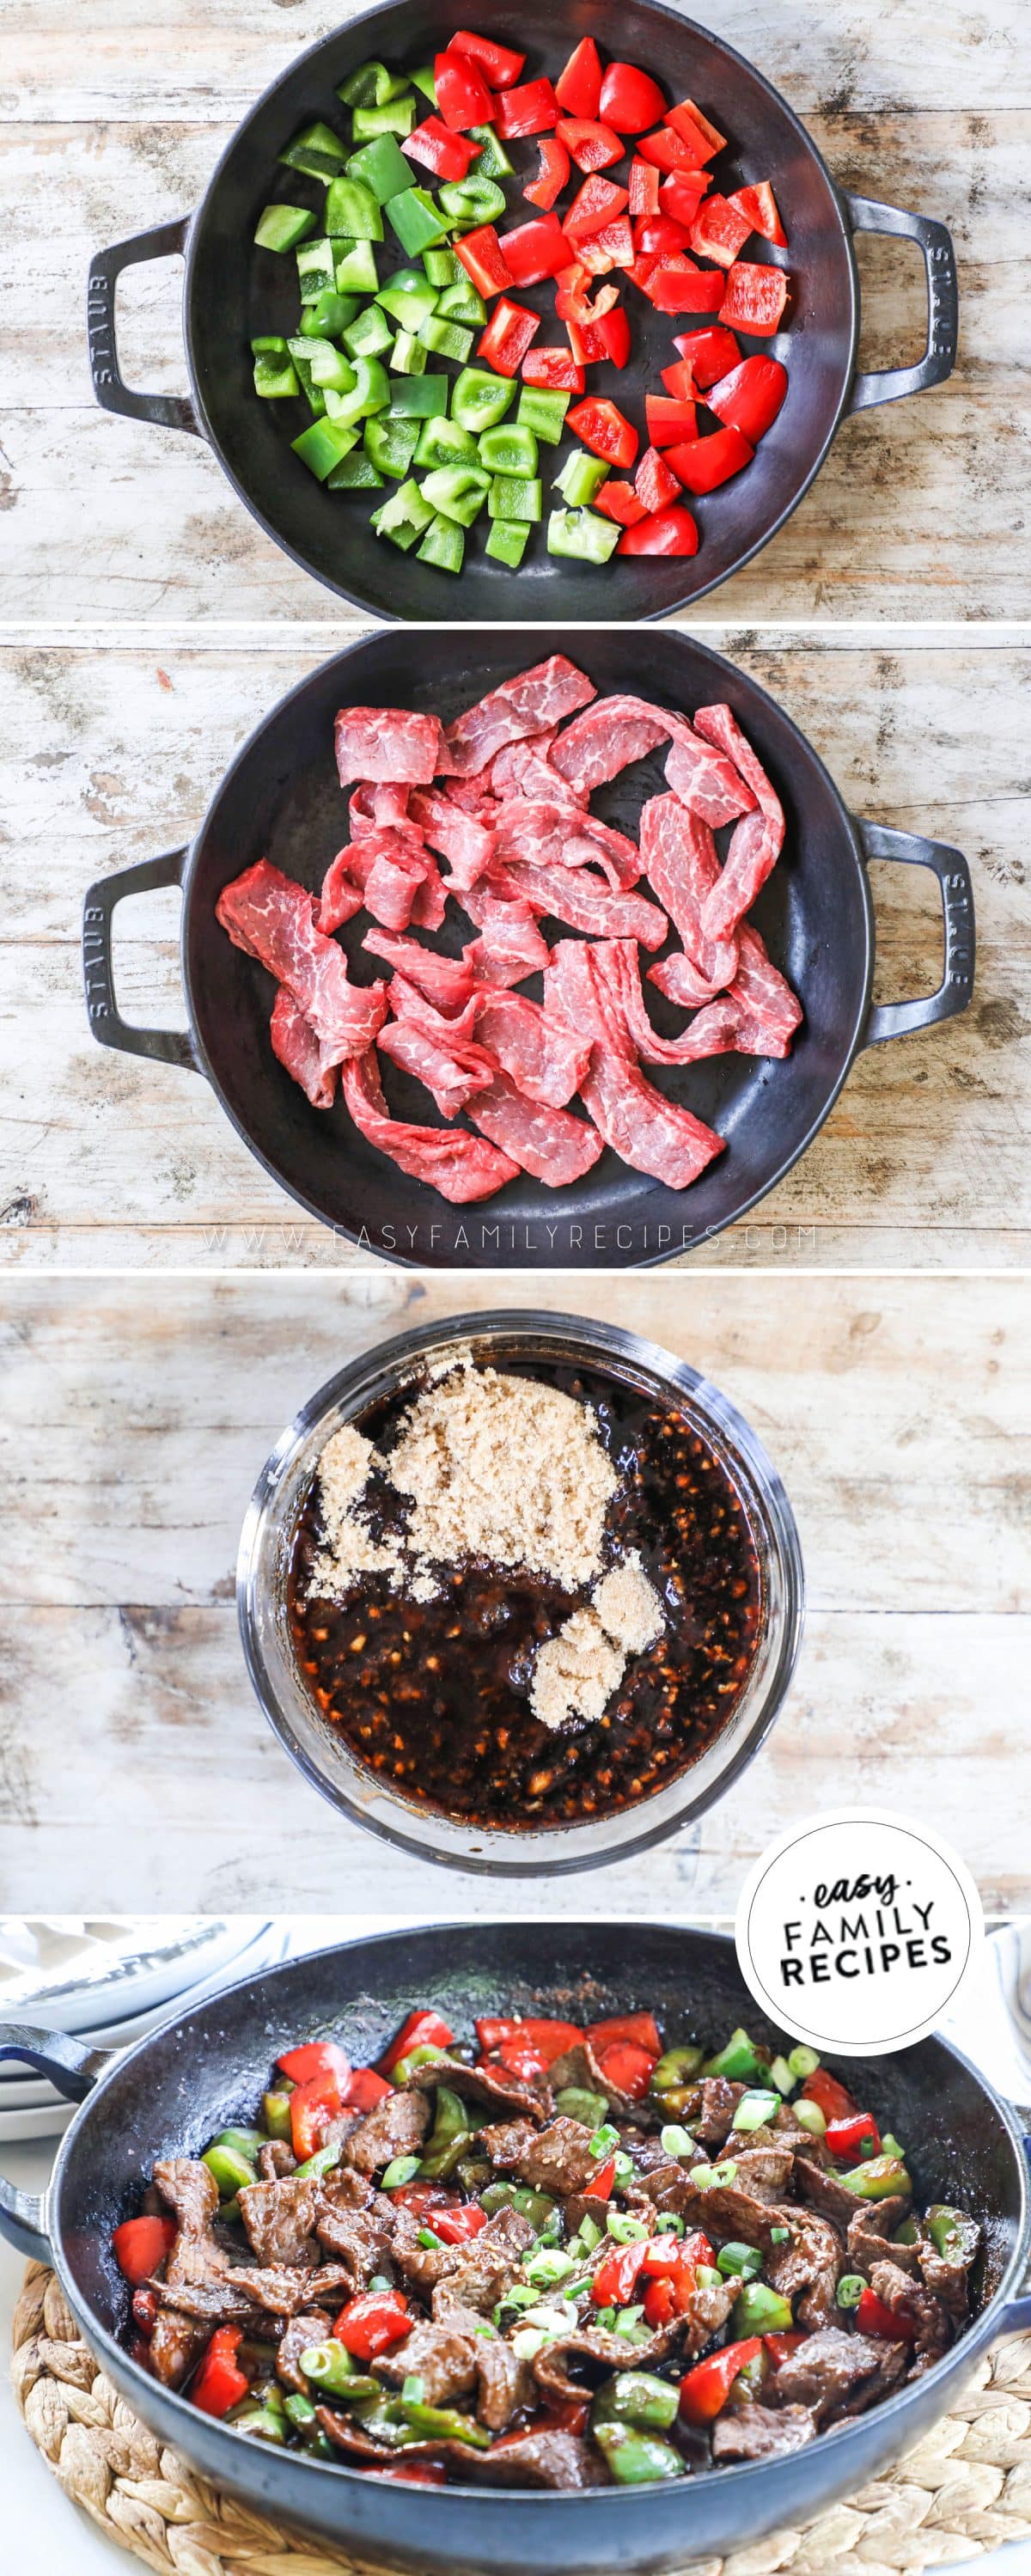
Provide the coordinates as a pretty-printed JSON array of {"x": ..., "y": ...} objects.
[
  {"x": 755, "y": 297},
  {"x": 605, "y": 430},
  {"x": 352, "y": 210},
  {"x": 857, "y": 2136},
  {"x": 415, "y": 219},
  {"x": 680, "y": 386},
  {"x": 581, "y": 477},
  {"x": 404, "y": 517},
  {"x": 711, "y": 353},
  {"x": 890, "y": 2324},
  {"x": 643, "y": 189},
  {"x": 443, "y": 545},
  {"x": 473, "y": 200},
  {"x": 140, "y": 2245},
  {"x": 366, "y": 2088},
  {"x": 694, "y": 129},
  {"x": 552, "y": 175},
  {"x": 605, "y": 340},
  {"x": 321, "y": 446},
  {"x": 878, "y": 2179},
  {"x": 381, "y": 166},
  {"x": 630, "y": 99},
  {"x": 681, "y": 193},
  {"x": 578, "y": 87},
  {"x": 615, "y": 2280},
  {"x": 499, "y": 65},
  {"x": 657, "y": 486},
  {"x": 620, "y": 502},
  {"x": 507, "y": 336},
  {"x": 597, "y": 203},
  {"x": 666, "y": 150},
  {"x": 543, "y": 411},
  {"x": 704, "y": 463},
  {"x": 781, "y": 2346},
  {"x": 533, "y": 109},
  {"x": 831, "y": 2098},
  {"x": 312, "y": 2105},
  {"x": 447, "y": 155},
  {"x": 535, "y": 251},
  {"x": 218, "y": 2383},
  {"x": 484, "y": 260},
  {"x": 421, "y": 2030},
  {"x": 372, "y": 2323},
  {"x": 719, "y": 231},
  {"x": 371, "y": 85},
  {"x": 463, "y": 97},
  {"x": 509, "y": 449},
  {"x": 479, "y": 399},
  {"x": 670, "y": 532},
  {"x": 459, "y": 2226},
  {"x": 317, "y": 151},
  {"x": 760, "y": 2310},
  {"x": 637, "y": 2459},
  {"x": 669, "y": 420},
  {"x": 590, "y": 145},
  {"x": 954, "y": 2236},
  {"x": 555, "y": 368},
  {"x": 677, "y": 286},
  {"x": 750, "y": 397},
  {"x": 654, "y": 234},
  {"x": 507, "y": 542},
  {"x": 281, "y": 227},
  {"x": 760, "y": 206},
  {"x": 707, "y": 2387}
]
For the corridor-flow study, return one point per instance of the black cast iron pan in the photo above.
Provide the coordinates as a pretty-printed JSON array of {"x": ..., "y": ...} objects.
[
  {"x": 232, "y": 291},
  {"x": 187, "y": 2080},
  {"x": 281, "y": 799}
]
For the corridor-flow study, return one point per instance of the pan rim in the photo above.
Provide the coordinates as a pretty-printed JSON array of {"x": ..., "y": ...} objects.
[{"x": 358, "y": 598}]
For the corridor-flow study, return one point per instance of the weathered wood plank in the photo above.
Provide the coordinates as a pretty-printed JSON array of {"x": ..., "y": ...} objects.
[
  {"x": 112, "y": 754},
  {"x": 135, "y": 1419}
]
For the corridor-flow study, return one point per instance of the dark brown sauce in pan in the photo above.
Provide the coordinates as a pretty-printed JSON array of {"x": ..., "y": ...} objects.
[{"x": 434, "y": 1696}]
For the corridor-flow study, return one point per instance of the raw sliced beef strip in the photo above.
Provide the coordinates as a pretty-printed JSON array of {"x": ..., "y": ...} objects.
[
  {"x": 646, "y": 1130},
  {"x": 706, "y": 780},
  {"x": 371, "y": 808},
  {"x": 681, "y": 865},
  {"x": 765, "y": 1010},
  {"x": 758, "y": 840},
  {"x": 544, "y": 1061},
  {"x": 531, "y": 702},
  {"x": 299, "y": 1047},
  {"x": 715, "y": 1030},
  {"x": 450, "y": 1072},
  {"x": 460, "y": 1166},
  {"x": 396, "y": 877},
  {"x": 387, "y": 744},
  {"x": 464, "y": 842},
  {"x": 551, "y": 835},
  {"x": 613, "y": 733},
  {"x": 407, "y": 1003},
  {"x": 510, "y": 946},
  {"x": 584, "y": 901},
  {"x": 447, "y": 980},
  {"x": 525, "y": 769},
  {"x": 343, "y": 888},
  {"x": 550, "y": 1143},
  {"x": 275, "y": 920}
]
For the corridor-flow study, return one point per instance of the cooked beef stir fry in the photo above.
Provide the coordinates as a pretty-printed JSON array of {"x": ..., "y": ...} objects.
[{"x": 554, "y": 2257}]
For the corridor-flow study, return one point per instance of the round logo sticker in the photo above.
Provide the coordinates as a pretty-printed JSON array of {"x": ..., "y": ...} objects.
[{"x": 856, "y": 1930}]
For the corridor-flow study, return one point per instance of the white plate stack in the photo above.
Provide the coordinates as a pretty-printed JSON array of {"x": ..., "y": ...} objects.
[{"x": 108, "y": 1981}]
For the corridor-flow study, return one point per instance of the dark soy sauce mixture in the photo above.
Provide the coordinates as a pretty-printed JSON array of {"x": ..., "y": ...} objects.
[{"x": 434, "y": 1696}]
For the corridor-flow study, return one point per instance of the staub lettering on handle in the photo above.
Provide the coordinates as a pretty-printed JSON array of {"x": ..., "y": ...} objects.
[
  {"x": 99, "y": 996},
  {"x": 959, "y": 932}
]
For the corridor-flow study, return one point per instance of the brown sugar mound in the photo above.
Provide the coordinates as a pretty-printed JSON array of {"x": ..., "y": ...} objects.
[{"x": 504, "y": 1468}]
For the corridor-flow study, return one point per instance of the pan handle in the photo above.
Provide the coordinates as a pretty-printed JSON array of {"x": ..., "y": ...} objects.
[
  {"x": 73, "y": 2069},
  {"x": 866, "y": 216},
  {"x": 167, "y": 1046},
  {"x": 168, "y": 411},
  {"x": 899, "y": 1019}
]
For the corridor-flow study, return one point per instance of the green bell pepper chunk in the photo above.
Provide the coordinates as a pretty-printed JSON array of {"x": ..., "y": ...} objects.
[
  {"x": 382, "y": 167},
  {"x": 329, "y": 367},
  {"x": 511, "y": 450},
  {"x": 314, "y": 393},
  {"x": 449, "y": 2137},
  {"x": 275, "y": 2111},
  {"x": 582, "y": 536},
  {"x": 636, "y": 2459},
  {"x": 954, "y": 2236},
  {"x": 355, "y": 268},
  {"x": 372, "y": 86},
  {"x": 443, "y": 545},
  {"x": 441, "y": 266},
  {"x": 355, "y": 474},
  {"x": 316, "y": 270},
  {"x": 401, "y": 2168},
  {"x": 543, "y": 412},
  {"x": 300, "y": 2411},
  {"x": 480, "y": 399},
  {"x": 403, "y": 2067},
  {"x": 408, "y": 297},
  {"x": 679, "y": 2065},
  {"x": 396, "y": 117},
  {"x": 877, "y": 2179},
  {"x": 462, "y": 304},
  {"x": 760, "y": 2310},
  {"x": 422, "y": 397},
  {"x": 472, "y": 200},
  {"x": 352, "y": 212},
  {"x": 275, "y": 376},
  {"x": 424, "y": 81},
  {"x": 260, "y": 2423},
  {"x": 246, "y": 2142},
  {"x": 637, "y": 2397},
  {"x": 445, "y": 339},
  {"x": 329, "y": 2366},
  {"x": 537, "y": 2206},
  {"x": 493, "y": 162},
  {"x": 416, "y": 219},
  {"x": 370, "y": 392},
  {"x": 391, "y": 445},
  {"x": 442, "y": 442},
  {"x": 329, "y": 315},
  {"x": 317, "y": 151},
  {"x": 325, "y": 2159},
  {"x": 908, "y": 2233},
  {"x": 408, "y": 357},
  {"x": 581, "y": 477},
  {"x": 281, "y": 227},
  {"x": 444, "y": 2424},
  {"x": 573, "y": 2099},
  {"x": 458, "y": 492},
  {"x": 369, "y": 335},
  {"x": 737, "y": 2061},
  {"x": 404, "y": 517},
  {"x": 230, "y": 2170},
  {"x": 515, "y": 496}
]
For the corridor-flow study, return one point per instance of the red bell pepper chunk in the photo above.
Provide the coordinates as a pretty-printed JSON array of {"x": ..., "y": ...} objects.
[
  {"x": 552, "y": 2038},
  {"x": 421, "y": 2030},
  {"x": 535, "y": 250},
  {"x": 644, "y": 188},
  {"x": 750, "y": 398},
  {"x": 603, "y": 429},
  {"x": 612, "y": 248},
  {"x": 845, "y": 2137},
  {"x": 620, "y": 502},
  {"x": 719, "y": 231},
  {"x": 755, "y": 297},
  {"x": 710, "y": 353},
  {"x": 365, "y": 2089},
  {"x": 596, "y": 204},
  {"x": 671, "y": 532},
  {"x": 679, "y": 381},
  {"x": 687, "y": 121},
  {"x": 408, "y": 2473},
  {"x": 483, "y": 259},
  {"x": 457, "y": 2226},
  {"x": 601, "y": 2183},
  {"x": 760, "y": 206},
  {"x": 490, "y": 2033},
  {"x": 556, "y": 369},
  {"x": 630, "y": 99},
  {"x": 319, "y": 2057},
  {"x": 507, "y": 336},
  {"x": 781, "y": 2346},
  {"x": 218, "y": 2384},
  {"x": 140, "y": 2245},
  {"x": 373, "y": 2322},
  {"x": 623, "y": 2062},
  {"x": 681, "y": 194},
  {"x": 567, "y": 2414},
  {"x": 658, "y": 233},
  {"x": 669, "y": 420},
  {"x": 448, "y": 155},
  {"x": 517, "y": 2055},
  {"x": 874, "y": 2318},
  {"x": 552, "y": 175},
  {"x": 530, "y": 110},
  {"x": 616, "y": 2278},
  {"x": 578, "y": 87},
  {"x": 666, "y": 151},
  {"x": 677, "y": 286},
  {"x": 707, "y": 2387},
  {"x": 499, "y": 65},
  {"x": 704, "y": 463},
  {"x": 608, "y": 338},
  {"x": 830, "y": 2097},
  {"x": 591, "y": 146},
  {"x": 657, "y": 486},
  {"x": 312, "y": 2106},
  {"x": 462, "y": 93},
  {"x": 572, "y": 302},
  {"x": 420, "y": 2196},
  {"x": 639, "y": 2026}
]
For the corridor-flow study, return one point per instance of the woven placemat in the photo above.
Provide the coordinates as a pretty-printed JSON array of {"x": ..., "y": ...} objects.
[{"x": 964, "y": 2490}]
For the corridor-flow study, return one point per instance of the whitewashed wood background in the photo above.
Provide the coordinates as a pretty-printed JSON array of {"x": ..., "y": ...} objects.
[
  {"x": 112, "y": 118},
  {"x": 110, "y": 751},
  {"x": 135, "y": 1768}
]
